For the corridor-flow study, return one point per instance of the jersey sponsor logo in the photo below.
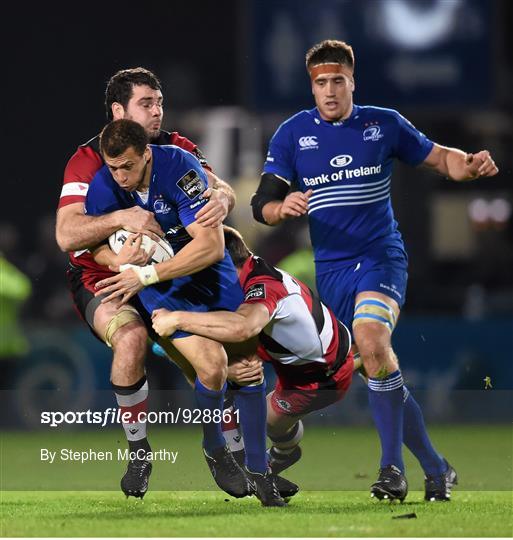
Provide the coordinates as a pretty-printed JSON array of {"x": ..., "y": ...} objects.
[
  {"x": 308, "y": 143},
  {"x": 161, "y": 207},
  {"x": 341, "y": 160},
  {"x": 372, "y": 133},
  {"x": 191, "y": 184},
  {"x": 255, "y": 291},
  {"x": 342, "y": 174}
]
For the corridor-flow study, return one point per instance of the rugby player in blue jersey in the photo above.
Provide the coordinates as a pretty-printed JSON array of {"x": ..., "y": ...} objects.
[
  {"x": 170, "y": 182},
  {"x": 339, "y": 157}
]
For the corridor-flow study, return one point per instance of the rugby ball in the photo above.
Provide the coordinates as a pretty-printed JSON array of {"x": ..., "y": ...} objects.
[{"x": 163, "y": 252}]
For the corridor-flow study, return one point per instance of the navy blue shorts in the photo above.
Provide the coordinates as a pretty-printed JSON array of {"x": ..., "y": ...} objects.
[{"x": 384, "y": 271}]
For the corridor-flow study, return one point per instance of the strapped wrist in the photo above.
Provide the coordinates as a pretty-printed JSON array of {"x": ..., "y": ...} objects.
[{"x": 147, "y": 274}]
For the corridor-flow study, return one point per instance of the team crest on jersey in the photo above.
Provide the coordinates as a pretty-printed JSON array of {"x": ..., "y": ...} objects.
[
  {"x": 255, "y": 291},
  {"x": 308, "y": 143},
  {"x": 191, "y": 184},
  {"x": 285, "y": 405},
  {"x": 160, "y": 206},
  {"x": 372, "y": 133}
]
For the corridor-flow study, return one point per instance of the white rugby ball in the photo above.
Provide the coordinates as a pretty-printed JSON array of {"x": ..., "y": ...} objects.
[{"x": 163, "y": 252}]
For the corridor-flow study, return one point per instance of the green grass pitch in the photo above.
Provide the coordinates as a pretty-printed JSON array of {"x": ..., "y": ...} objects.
[{"x": 74, "y": 499}]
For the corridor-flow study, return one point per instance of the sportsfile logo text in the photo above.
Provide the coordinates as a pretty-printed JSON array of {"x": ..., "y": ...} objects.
[{"x": 117, "y": 416}]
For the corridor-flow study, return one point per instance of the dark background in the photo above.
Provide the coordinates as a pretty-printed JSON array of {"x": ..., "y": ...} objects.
[{"x": 56, "y": 63}]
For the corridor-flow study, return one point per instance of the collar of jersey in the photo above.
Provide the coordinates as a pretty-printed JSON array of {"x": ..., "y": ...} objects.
[{"x": 354, "y": 112}]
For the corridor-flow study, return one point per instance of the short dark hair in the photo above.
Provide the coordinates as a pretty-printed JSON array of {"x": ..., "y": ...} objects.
[
  {"x": 330, "y": 51},
  {"x": 120, "y": 135},
  {"x": 120, "y": 86},
  {"x": 237, "y": 248}
]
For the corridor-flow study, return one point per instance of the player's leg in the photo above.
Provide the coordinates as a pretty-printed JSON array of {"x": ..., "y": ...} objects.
[
  {"x": 440, "y": 476},
  {"x": 285, "y": 432},
  {"x": 128, "y": 366},
  {"x": 124, "y": 331},
  {"x": 374, "y": 319},
  {"x": 209, "y": 360}
]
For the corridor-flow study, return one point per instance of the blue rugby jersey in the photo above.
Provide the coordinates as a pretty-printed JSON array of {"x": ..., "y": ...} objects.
[
  {"x": 348, "y": 165},
  {"x": 175, "y": 195}
]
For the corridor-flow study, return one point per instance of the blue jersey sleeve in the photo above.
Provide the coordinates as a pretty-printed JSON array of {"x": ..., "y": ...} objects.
[
  {"x": 102, "y": 197},
  {"x": 412, "y": 146},
  {"x": 187, "y": 186},
  {"x": 280, "y": 157}
]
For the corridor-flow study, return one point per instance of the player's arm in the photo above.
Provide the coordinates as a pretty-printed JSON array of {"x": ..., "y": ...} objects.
[
  {"x": 205, "y": 249},
  {"x": 272, "y": 203},
  {"x": 75, "y": 230},
  {"x": 458, "y": 165},
  {"x": 223, "y": 326}
]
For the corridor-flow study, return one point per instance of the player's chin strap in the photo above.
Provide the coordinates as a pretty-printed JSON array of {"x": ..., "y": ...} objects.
[
  {"x": 372, "y": 310},
  {"x": 147, "y": 274}
]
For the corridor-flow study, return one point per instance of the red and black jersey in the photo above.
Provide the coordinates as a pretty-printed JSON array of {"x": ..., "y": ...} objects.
[
  {"x": 303, "y": 335},
  {"x": 79, "y": 172}
]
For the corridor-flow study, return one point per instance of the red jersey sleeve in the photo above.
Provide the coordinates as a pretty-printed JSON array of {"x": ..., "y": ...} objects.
[
  {"x": 78, "y": 174},
  {"x": 186, "y": 144},
  {"x": 264, "y": 290}
]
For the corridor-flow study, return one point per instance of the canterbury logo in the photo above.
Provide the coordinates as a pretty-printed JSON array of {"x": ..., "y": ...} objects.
[{"x": 308, "y": 142}]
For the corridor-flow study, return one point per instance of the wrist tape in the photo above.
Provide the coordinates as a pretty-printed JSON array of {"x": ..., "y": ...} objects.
[{"x": 147, "y": 274}]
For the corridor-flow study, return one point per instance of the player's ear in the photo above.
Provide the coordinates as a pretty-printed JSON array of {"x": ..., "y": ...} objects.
[
  {"x": 147, "y": 153},
  {"x": 118, "y": 111},
  {"x": 352, "y": 85}
]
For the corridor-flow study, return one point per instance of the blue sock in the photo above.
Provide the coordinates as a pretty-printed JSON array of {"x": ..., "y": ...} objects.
[
  {"x": 416, "y": 438},
  {"x": 252, "y": 406},
  {"x": 210, "y": 400},
  {"x": 386, "y": 403}
]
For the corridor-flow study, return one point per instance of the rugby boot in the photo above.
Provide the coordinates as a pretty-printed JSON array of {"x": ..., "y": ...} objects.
[
  {"x": 286, "y": 488},
  {"x": 227, "y": 473},
  {"x": 135, "y": 480},
  {"x": 263, "y": 485},
  {"x": 438, "y": 488},
  {"x": 280, "y": 461},
  {"x": 390, "y": 485}
]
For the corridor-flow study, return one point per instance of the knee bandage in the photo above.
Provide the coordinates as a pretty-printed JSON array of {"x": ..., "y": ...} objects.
[
  {"x": 127, "y": 315},
  {"x": 372, "y": 310}
]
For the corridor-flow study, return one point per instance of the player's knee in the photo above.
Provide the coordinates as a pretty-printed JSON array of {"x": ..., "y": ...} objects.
[
  {"x": 377, "y": 356},
  {"x": 130, "y": 341},
  {"x": 212, "y": 373}
]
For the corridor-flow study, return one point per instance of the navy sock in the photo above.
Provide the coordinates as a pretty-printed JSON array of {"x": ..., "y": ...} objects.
[
  {"x": 416, "y": 438},
  {"x": 210, "y": 400},
  {"x": 252, "y": 406},
  {"x": 386, "y": 403}
]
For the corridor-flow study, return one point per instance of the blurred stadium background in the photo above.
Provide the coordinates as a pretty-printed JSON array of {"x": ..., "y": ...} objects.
[{"x": 231, "y": 72}]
